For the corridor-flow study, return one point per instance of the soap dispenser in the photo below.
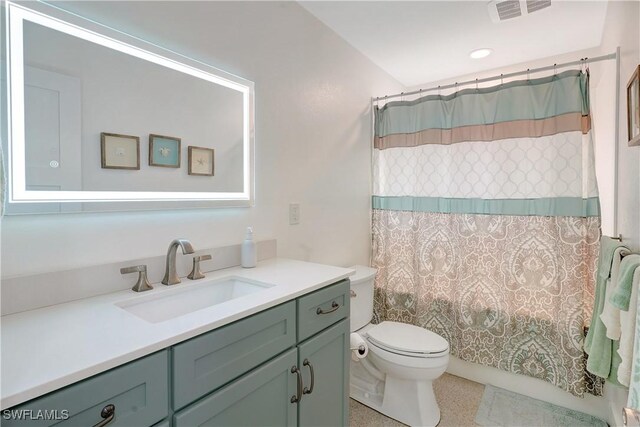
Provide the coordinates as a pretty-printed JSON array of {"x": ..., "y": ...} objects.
[{"x": 249, "y": 256}]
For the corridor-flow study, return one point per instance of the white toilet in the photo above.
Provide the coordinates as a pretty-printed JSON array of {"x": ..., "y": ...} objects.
[{"x": 396, "y": 376}]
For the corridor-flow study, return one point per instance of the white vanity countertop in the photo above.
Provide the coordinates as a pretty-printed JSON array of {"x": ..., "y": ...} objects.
[{"x": 52, "y": 347}]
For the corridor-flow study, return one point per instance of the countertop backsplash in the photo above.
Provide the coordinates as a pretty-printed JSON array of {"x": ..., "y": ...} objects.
[{"x": 24, "y": 293}]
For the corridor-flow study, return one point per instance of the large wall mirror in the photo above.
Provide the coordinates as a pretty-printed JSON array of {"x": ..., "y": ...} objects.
[{"x": 99, "y": 120}]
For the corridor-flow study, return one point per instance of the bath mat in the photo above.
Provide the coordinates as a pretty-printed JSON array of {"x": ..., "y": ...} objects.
[{"x": 500, "y": 407}]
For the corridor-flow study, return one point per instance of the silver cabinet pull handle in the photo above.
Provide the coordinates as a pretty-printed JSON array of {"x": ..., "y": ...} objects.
[
  {"x": 310, "y": 389},
  {"x": 334, "y": 307},
  {"x": 296, "y": 397},
  {"x": 107, "y": 413}
]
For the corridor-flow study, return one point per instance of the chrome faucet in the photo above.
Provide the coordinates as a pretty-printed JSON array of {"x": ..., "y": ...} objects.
[{"x": 170, "y": 274}]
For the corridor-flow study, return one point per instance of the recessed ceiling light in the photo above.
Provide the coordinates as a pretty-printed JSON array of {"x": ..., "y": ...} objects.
[{"x": 480, "y": 53}]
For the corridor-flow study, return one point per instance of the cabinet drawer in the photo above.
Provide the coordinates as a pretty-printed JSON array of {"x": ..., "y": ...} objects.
[
  {"x": 138, "y": 390},
  {"x": 260, "y": 398},
  {"x": 207, "y": 362},
  {"x": 322, "y": 309}
]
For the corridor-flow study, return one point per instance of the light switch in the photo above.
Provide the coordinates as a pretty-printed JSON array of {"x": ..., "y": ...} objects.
[{"x": 294, "y": 213}]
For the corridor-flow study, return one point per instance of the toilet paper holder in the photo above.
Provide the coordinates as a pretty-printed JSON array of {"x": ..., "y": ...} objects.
[
  {"x": 361, "y": 349},
  {"x": 358, "y": 346}
]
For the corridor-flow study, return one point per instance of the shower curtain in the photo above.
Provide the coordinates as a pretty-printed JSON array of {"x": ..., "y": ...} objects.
[{"x": 486, "y": 223}]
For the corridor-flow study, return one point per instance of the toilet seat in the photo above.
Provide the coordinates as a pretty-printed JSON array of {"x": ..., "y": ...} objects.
[{"x": 407, "y": 340}]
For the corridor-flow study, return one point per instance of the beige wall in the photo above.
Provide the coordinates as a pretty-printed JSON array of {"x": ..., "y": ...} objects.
[
  {"x": 313, "y": 134},
  {"x": 622, "y": 28}
]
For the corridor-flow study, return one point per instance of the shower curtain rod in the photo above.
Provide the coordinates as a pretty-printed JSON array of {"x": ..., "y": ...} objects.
[{"x": 581, "y": 61}]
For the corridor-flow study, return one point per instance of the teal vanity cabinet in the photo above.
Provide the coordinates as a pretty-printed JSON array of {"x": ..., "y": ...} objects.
[
  {"x": 263, "y": 397},
  {"x": 285, "y": 366},
  {"x": 138, "y": 391},
  {"x": 307, "y": 385},
  {"x": 209, "y": 361},
  {"x": 326, "y": 377},
  {"x": 323, "y": 356},
  {"x": 268, "y": 395}
]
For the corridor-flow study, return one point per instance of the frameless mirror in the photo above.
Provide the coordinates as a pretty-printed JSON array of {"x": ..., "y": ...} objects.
[{"x": 98, "y": 120}]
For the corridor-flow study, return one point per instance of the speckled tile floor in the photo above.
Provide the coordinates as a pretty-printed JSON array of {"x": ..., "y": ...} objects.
[{"x": 457, "y": 397}]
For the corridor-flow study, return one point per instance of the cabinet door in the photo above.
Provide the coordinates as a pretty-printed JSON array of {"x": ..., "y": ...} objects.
[
  {"x": 327, "y": 355},
  {"x": 260, "y": 398}
]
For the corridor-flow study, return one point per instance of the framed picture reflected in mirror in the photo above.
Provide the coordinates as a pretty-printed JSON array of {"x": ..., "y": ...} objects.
[
  {"x": 119, "y": 151},
  {"x": 201, "y": 161},
  {"x": 164, "y": 151}
]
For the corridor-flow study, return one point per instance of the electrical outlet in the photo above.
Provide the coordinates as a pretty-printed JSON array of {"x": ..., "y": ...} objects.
[{"x": 294, "y": 213}]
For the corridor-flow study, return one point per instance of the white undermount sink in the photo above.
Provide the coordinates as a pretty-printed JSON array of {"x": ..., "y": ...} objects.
[{"x": 185, "y": 299}]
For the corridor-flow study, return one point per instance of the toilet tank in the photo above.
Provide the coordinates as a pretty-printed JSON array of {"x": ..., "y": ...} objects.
[{"x": 362, "y": 303}]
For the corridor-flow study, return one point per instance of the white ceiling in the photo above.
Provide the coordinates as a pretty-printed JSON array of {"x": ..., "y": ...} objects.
[{"x": 424, "y": 41}]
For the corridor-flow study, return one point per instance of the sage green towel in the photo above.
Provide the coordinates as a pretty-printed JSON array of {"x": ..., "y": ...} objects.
[
  {"x": 634, "y": 384},
  {"x": 596, "y": 343},
  {"x": 615, "y": 363},
  {"x": 620, "y": 298}
]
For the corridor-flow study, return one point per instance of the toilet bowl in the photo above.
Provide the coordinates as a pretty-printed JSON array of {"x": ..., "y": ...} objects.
[{"x": 396, "y": 376}]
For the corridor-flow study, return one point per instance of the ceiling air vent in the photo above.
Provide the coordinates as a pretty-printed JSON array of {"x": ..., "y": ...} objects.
[
  {"x": 502, "y": 10},
  {"x": 534, "y": 5},
  {"x": 508, "y": 9}
]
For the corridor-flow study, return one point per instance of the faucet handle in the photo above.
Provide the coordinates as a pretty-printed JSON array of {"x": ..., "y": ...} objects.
[
  {"x": 133, "y": 269},
  {"x": 143, "y": 283},
  {"x": 195, "y": 271}
]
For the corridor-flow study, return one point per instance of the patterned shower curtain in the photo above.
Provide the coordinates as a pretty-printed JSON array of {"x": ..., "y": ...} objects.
[{"x": 486, "y": 223}]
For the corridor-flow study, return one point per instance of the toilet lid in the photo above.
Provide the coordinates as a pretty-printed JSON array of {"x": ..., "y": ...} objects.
[{"x": 407, "y": 338}]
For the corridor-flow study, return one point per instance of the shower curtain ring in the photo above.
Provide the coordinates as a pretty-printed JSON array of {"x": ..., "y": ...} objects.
[
  {"x": 438, "y": 90},
  {"x": 476, "y": 84},
  {"x": 528, "y": 76},
  {"x": 501, "y": 79},
  {"x": 555, "y": 71}
]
